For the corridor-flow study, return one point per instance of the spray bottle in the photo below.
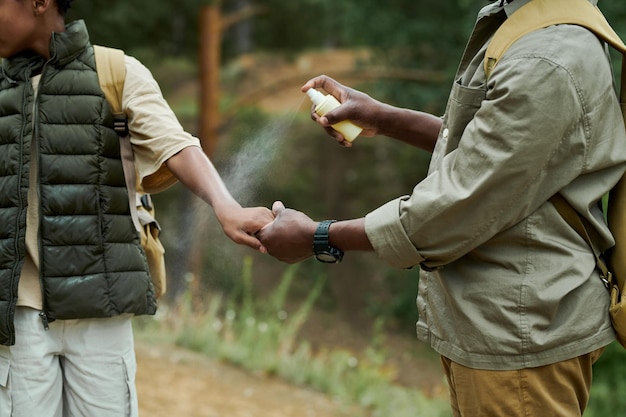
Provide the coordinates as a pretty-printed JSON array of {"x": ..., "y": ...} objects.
[{"x": 324, "y": 104}]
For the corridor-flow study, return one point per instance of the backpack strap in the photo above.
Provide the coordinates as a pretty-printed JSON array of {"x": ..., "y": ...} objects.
[{"x": 111, "y": 68}]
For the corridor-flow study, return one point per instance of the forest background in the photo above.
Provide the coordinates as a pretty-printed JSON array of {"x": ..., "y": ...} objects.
[{"x": 404, "y": 52}]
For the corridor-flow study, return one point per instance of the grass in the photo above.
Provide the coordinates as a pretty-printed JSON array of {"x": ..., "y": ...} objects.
[
  {"x": 259, "y": 335},
  {"x": 609, "y": 384}
]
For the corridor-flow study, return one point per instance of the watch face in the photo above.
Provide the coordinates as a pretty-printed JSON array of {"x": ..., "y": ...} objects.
[{"x": 326, "y": 257}]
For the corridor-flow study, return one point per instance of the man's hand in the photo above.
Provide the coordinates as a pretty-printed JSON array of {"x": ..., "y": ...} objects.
[
  {"x": 289, "y": 238},
  {"x": 355, "y": 106}
]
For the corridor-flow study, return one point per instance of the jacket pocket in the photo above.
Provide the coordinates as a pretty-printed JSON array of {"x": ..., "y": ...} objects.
[{"x": 462, "y": 106}]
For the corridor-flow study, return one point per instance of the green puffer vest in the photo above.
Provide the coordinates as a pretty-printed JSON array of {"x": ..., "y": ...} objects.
[{"x": 91, "y": 261}]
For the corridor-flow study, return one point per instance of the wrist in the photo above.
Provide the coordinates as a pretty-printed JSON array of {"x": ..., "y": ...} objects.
[
  {"x": 385, "y": 120},
  {"x": 225, "y": 209}
]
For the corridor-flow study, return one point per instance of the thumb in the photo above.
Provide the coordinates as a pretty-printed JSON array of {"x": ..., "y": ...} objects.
[
  {"x": 338, "y": 114},
  {"x": 277, "y": 208}
]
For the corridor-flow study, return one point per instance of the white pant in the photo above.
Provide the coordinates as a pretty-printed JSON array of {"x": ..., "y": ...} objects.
[{"x": 77, "y": 368}]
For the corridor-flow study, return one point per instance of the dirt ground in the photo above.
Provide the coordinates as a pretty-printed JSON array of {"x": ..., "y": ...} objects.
[
  {"x": 175, "y": 382},
  {"x": 172, "y": 381}
]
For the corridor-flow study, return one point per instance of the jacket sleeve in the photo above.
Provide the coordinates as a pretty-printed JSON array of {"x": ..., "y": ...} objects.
[{"x": 526, "y": 141}]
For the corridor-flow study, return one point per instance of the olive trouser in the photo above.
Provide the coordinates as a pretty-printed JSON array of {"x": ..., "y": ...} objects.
[{"x": 560, "y": 389}]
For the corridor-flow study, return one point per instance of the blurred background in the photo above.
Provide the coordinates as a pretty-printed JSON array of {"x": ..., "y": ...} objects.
[{"x": 232, "y": 71}]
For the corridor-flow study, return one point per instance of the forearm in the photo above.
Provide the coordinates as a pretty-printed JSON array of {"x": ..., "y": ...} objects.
[
  {"x": 196, "y": 172},
  {"x": 349, "y": 235},
  {"x": 194, "y": 169},
  {"x": 415, "y": 128}
]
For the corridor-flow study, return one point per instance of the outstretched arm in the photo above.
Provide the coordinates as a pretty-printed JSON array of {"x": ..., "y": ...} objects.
[
  {"x": 416, "y": 128},
  {"x": 194, "y": 169}
]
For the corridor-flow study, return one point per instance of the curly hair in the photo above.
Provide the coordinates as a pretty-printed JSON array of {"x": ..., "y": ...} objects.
[{"x": 64, "y": 6}]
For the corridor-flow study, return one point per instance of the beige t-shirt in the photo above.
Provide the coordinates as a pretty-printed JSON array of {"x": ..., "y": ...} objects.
[{"x": 156, "y": 135}]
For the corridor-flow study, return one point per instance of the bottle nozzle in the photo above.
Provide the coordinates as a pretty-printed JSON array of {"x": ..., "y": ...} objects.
[{"x": 315, "y": 96}]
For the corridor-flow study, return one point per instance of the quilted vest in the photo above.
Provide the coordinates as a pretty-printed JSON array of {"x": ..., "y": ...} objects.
[{"x": 91, "y": 261}]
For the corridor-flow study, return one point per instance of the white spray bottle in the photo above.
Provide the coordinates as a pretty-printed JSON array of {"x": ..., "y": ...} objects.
[{"x": 324, "y": 104}]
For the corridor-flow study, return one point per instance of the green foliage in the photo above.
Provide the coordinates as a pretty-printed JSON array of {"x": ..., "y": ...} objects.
[
  {"x": 169, "y": 27},
  {"x": 243, "y": 331},
  {"x": 258, "y": 334},
  {"x": 609, "y": 384},
  {"x": 433, "y": 33}
]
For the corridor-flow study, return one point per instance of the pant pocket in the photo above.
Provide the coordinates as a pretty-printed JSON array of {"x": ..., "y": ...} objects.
[
  {"x": 130, "y": 368},
  {"x": 6, "y": 404}
]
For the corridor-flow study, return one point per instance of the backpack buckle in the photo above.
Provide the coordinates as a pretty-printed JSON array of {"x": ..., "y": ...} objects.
[
  {"x": 120, "y": 125},
  {"x": 146, "y": 202},
  {"x": 607, "y": 279}
]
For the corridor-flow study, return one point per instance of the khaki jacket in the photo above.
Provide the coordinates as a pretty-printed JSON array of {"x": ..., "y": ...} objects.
[{"x": 507, "y": 283}]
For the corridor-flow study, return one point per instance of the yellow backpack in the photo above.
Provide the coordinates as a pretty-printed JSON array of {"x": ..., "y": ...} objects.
[
  {"x": 111, "y": 70},
  {"x": 538, "y": 14}
]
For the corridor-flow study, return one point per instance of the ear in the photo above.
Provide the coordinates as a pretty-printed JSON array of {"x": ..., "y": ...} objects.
[{"x": 41, "y": 6}]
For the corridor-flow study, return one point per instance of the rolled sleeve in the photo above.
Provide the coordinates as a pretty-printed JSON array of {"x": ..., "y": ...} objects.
[
  {"x": 389, "y": 238},
  {"x": 155, "y": 132}
]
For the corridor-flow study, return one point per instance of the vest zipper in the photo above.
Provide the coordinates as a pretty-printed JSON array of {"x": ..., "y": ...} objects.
[
  {"x": 43, "y": 314},
  {"x": 35, "y": 148},
  {"x": 44, "y": 320},
  {"x": 21, "y": 254}
]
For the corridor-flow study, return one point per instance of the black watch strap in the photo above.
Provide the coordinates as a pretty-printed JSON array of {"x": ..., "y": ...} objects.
[{"x": 321, "y": 246}]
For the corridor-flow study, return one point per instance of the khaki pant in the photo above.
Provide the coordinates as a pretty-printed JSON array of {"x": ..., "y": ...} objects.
[
  {"x": 77, "y": 368},
  {"x": 560, "y": 389}
]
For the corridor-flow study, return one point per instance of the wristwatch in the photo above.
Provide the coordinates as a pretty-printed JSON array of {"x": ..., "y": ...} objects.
[{"x": 321, "y": 248}]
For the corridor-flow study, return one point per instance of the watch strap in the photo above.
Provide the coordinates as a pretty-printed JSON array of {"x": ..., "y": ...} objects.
[
  {"x": 320, "y": 238},
  {"x": 321, "y": 244}
]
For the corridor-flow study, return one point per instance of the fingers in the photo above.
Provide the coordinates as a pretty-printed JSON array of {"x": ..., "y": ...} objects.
[
  {"x": 323, "y": 120},
  {"x": 339, "y": 92},
  {"x": 324, "y": 82},
  {"x": 344, "y": 143},
  {"x": 250, "y": 241},
  {"x": 277, "y": 208}
]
